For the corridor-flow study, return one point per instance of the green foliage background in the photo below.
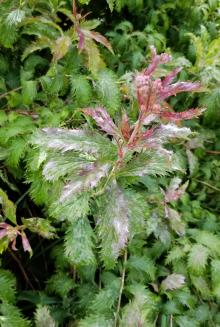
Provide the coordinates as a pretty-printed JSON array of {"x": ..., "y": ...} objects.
[{"x": 45, "y": 81}]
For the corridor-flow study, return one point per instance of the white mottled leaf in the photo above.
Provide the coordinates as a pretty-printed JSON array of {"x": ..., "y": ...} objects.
[{"x": 173, "y": 282}]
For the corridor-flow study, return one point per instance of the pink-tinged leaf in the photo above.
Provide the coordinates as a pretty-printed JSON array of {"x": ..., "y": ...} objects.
[
  {"x": 25, "y": 243},
  {"x": 98, "y": 38},
  {"x": 81, "y": 36},
  {"x": 175, "y": 221},
  {"x": 86, "y": 180},
  {"x": 13, "y": 245},
  {"x": 156, "y": 60},
  {"x": 184, "y": 115},
  {"x": 175, "y": 191},
  {"x": 170, "y": 77},
  {"x": 4, "y": 225},
  {"x": 3, "y": 233},
  {"x": 103, "y": 120},
  {"x": 179, "y": 87},
  {"x": 125, "y": 127}
]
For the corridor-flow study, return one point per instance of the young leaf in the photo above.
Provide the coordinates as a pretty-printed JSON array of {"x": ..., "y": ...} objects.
[
  {"x": 40, "y": 226},
  {"x": 43, "y": 317},
  {"x": 173, "y": 282}
]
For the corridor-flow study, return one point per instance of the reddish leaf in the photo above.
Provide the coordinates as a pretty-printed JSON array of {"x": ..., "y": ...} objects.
[
  {"x": 156, "y": 60},
  {"x": 125, "y": 127},
  {"x": 13, "y": 245},
  {"x": 184, "y": 115},
  {"x": 25, "y": 243},
  {"x": 175, "y": 191},
  {"x": 3, "y": 232},
  {"x": 179, "y": 87},
  {"x": 103, "y": 120},
  {"x": 98, "y": 38},
  {"x": 81, "y": 43},
  {"x": 169, "y": 78}
]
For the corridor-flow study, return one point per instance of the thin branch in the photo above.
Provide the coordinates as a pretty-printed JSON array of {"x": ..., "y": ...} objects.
[
  {"x": 207, "y": 184},
  {"x": 121, "y": 289},
  {"x": 6, "y": 93},
  {"x": 21, "y": 268},
  {"x": 213, "y": 152},
  {"x": 74, "y": 8}
]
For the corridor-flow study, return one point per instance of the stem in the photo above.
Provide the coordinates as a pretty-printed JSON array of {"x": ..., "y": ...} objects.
[
  {"x": 207, "y": 184},
  {"x": 21, "y": 268},
  {"x": 121, "y": 288},
  {"x": 74, "y": 8},
  {"x": 171, "y": 320},
  {"x": 213, "y": 152},
  {"x": 6, "y": 93}
]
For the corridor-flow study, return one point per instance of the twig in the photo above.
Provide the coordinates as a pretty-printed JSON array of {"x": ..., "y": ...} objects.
[
  {"x": 21, "y": 268},
  {"x": 213, "y": 152},
  {"x": 6, "y": 93},
  {"x": 121, "y": 288},
  {"x": 207, "y": 184},
  {"x": 171, "y": 320}
]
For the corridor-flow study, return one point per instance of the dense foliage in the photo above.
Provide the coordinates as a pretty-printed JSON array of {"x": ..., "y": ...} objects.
[{"x": 110, "y": 171}]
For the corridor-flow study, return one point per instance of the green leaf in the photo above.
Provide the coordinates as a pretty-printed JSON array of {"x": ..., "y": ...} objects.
[
  {"x": 215, "y": 274},
  {"x": 10, "y": 316},
  {"x": 8, "y": 286},
  {"x": 141, "y": 310},
  {"x": 94, "y": 61},
  {"x": 78, "y": 243},
  {"x": 8, "y": 207},
  {"x": 29, "y": 91},
  {"x": 108, "y": 91},
  {"x": 112, "y": 224},
  {"x": 61, "y": 47},
  {"x": 197, "y": 258},
  {"x": 111, "y": 4},
  {"x": 208, "y": 239},
  {"x": 201, "y": 286},
  {"x": 40, "y": 226},
  {"x": 81, "y": 90}
]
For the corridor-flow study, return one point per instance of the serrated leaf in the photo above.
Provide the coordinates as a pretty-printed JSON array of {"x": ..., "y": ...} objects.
[
  {"x": 103, "y": 120},
  {"x": 78, "y": 243},
  {"x": 175, "y": 254},
  {"x": 94, "y": 60},
  {"x": 197, "y": 258},
  {"x": 43, "y": 317},
  {"x": 193, "y": 162},
  {"x": 8, "y": 207},
  {"x": 201, "y": 286},
  {"x": 175, "y": 221},
  {"x": 87, "y": 179},
  {"x": 215, "y": 274},
  {"x": 40, "y": 226},
  {"x": 208, "y": 239},
  {"x": 61, "y": 47},
  {"x": 8, "y": 286},
  {"x": 108, "y": 91},
  {"x": 112, "y": 224},
  {"x": 111, "y": 4},
  {"x": 29, "y": 91},
  {"x": 63, "y": 140},
  {"x": 81, "y": 89},
  {"x": 172, "y": 282}
]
